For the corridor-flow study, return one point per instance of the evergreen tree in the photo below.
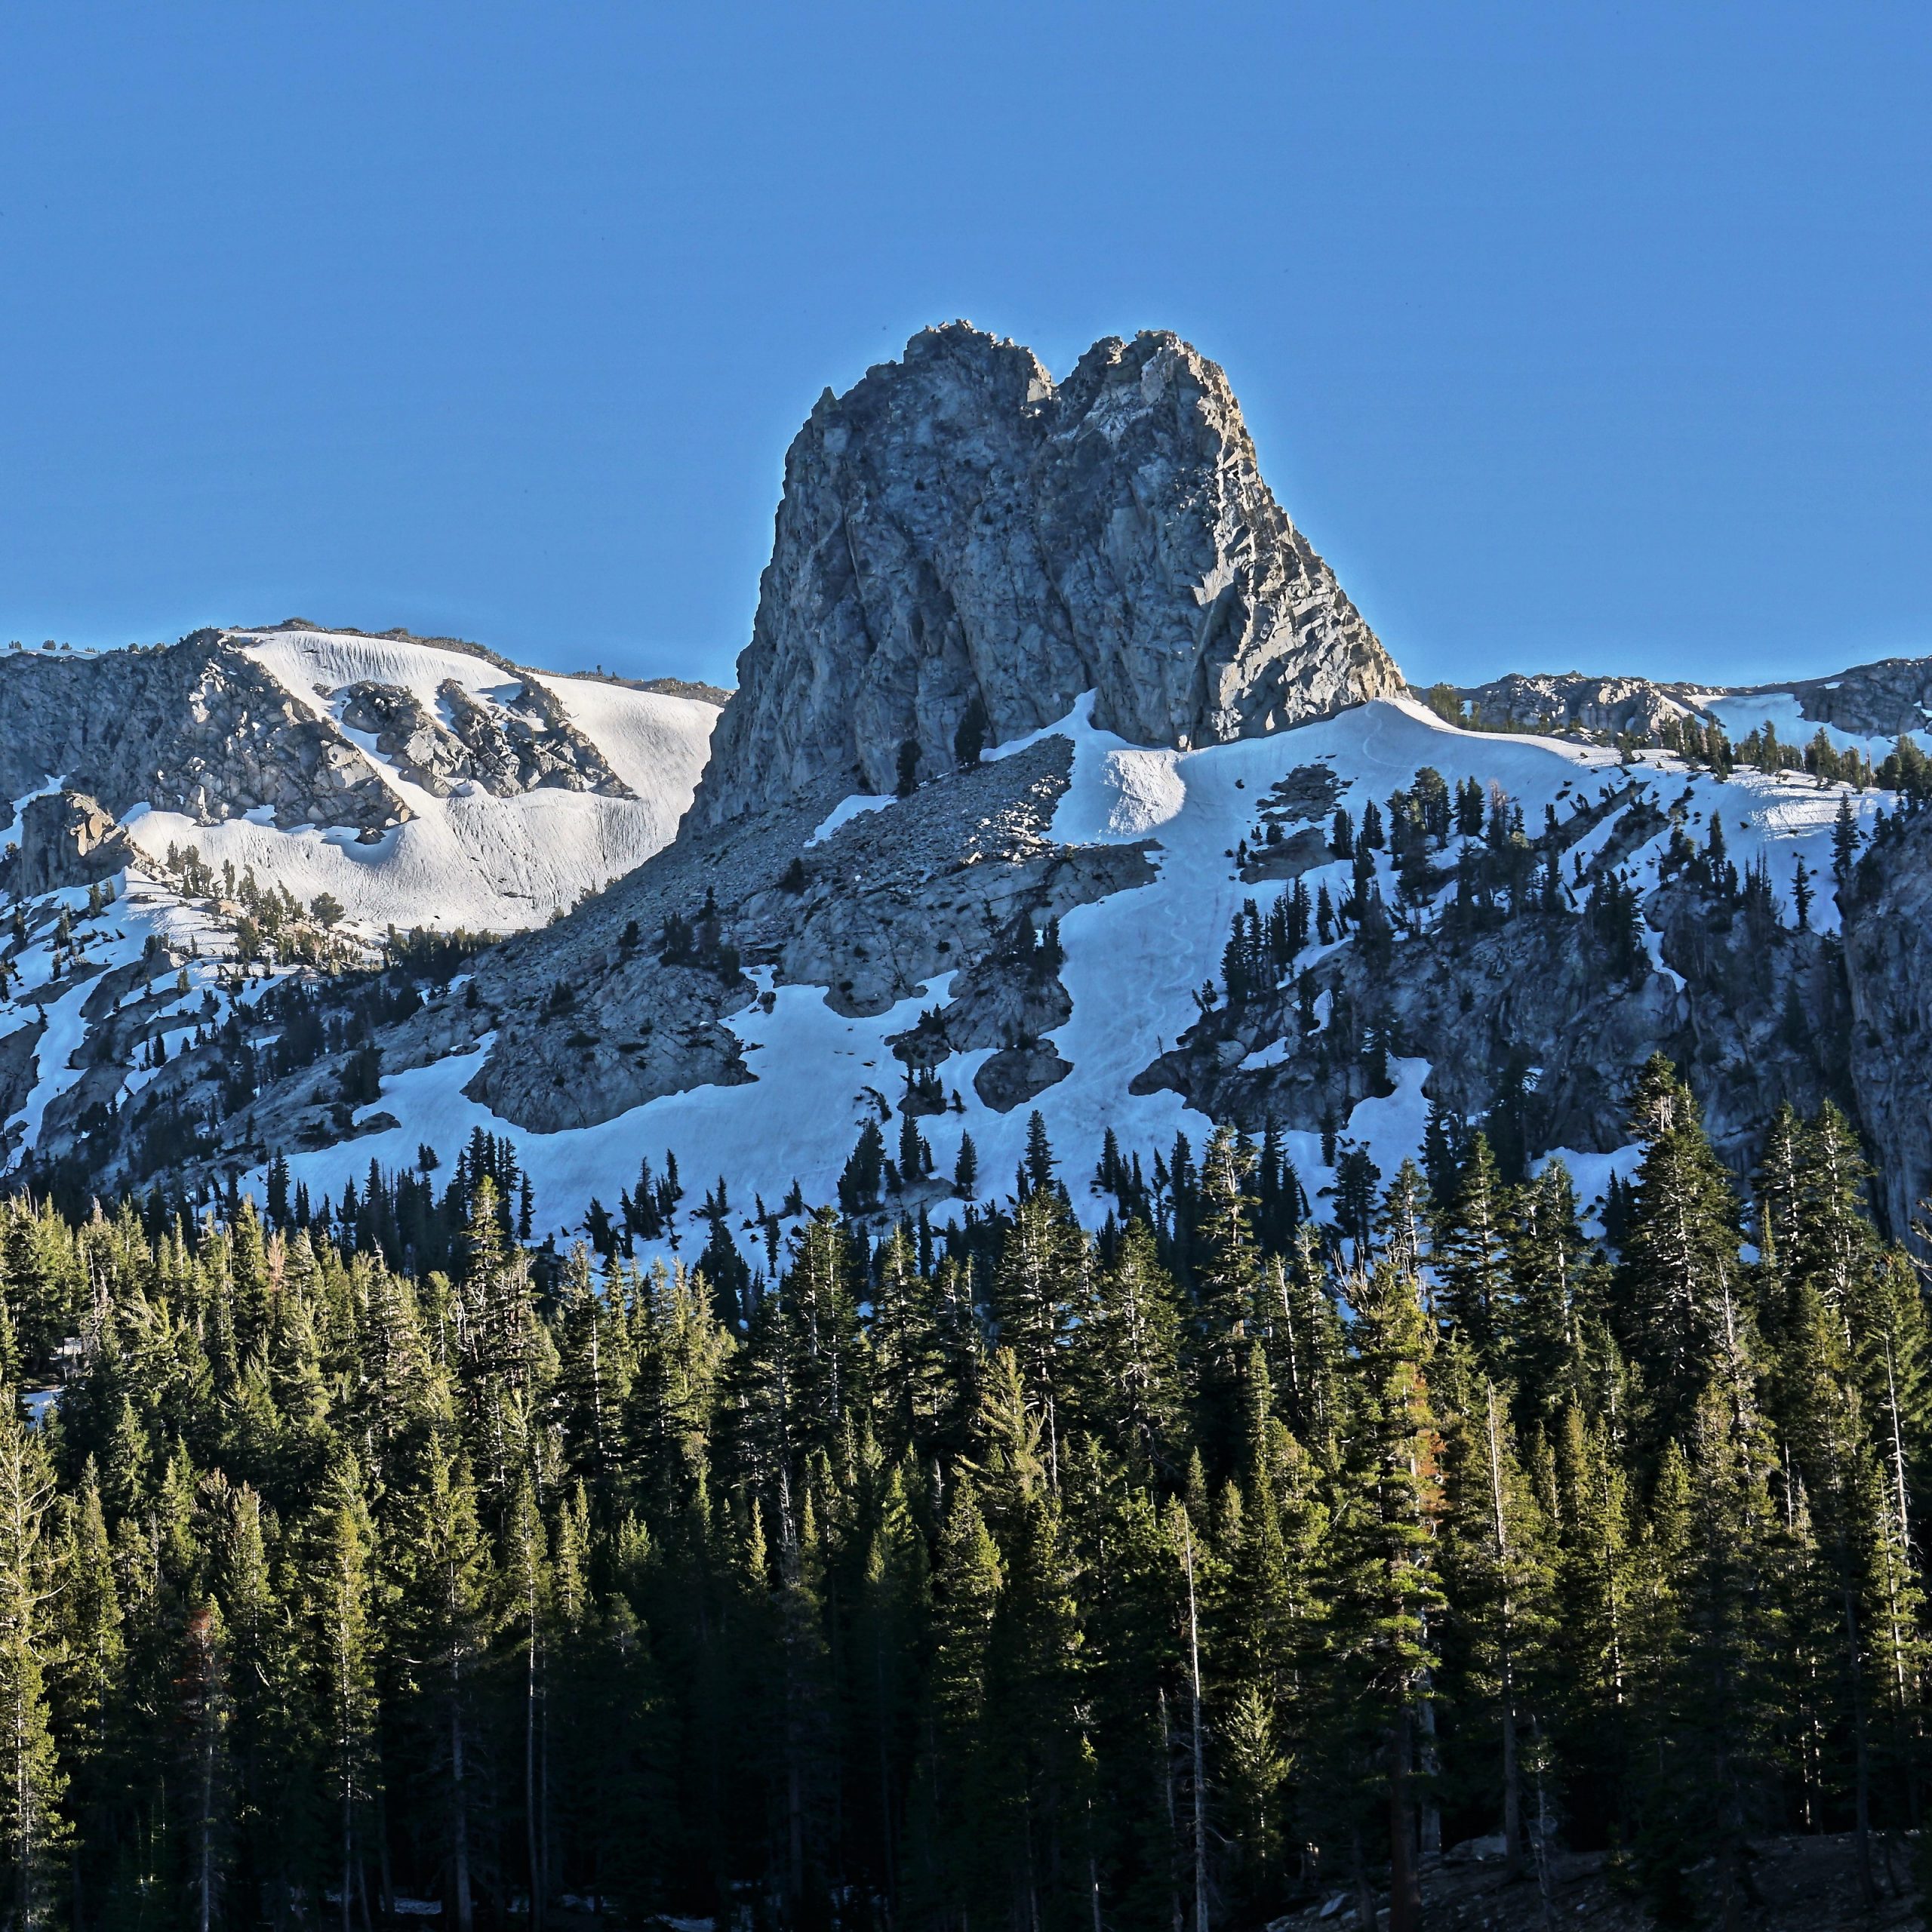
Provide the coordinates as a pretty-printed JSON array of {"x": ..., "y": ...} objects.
[
  {"x": 1502, "y": 1562},
  {"x": 1679, "y": 1282},
  {"x": 1472, "y": 1258},
  {"x": 1384, "y": 1579},
  {"x": 33, "y": 1827}
]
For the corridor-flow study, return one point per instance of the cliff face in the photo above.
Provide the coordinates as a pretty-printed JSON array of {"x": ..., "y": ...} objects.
[
  {"x": 1547, "y": 701},
  {"x": 197, "y": 727},
  {"x": 963, "y": 548},
  {"x": 1888, "y": 906}
]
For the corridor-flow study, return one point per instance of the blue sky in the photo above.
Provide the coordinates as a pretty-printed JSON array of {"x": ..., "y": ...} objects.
[{"x": 1577, "y": 335}]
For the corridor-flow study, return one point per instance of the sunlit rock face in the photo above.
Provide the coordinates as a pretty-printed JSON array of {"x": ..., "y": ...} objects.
[{"x": 963, "y": 547}]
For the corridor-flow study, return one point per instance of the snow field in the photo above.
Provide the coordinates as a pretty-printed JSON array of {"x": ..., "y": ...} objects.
[
  {"x": 471, "y": 860},
  {"x": 1741, "y": 716},
  {"x": 1133, "y": 962}
]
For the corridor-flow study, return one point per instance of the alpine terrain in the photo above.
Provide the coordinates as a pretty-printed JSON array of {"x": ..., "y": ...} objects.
[{"x": 1075, "y": 1262}]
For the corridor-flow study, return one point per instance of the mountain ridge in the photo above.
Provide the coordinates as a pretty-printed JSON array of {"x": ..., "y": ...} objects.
[{"x": 819, "y": 929}]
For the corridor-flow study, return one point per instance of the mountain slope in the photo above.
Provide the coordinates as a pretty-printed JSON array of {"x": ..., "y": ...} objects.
[
  {"x": 475, "y": 838},
  {"x": 203, "y": 799},
  {"x": 766, "y": 1071}
]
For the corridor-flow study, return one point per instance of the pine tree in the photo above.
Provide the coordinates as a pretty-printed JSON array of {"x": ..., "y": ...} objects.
[
  {"x": 1844, "y": 840},
  {"x": 966, "y": 1170},
  {"x": 526, "y": 1610},
  {"x": 1680, "y": 1281},
  {"x": 336, "y": 1589},
  {"x": 1473, "y": 1257},
  {"x": 1828, "y": 1515},
  {"x": 1501, "y": 1562},
  {"x": 1403, "y": 1221},
  {"x": 1035, "y": 1289},
  {"x": 205, "y": 1713},
  {"x": 1556, "y": 1289},
  {"x": 1384, "y": 1574},
  {"x": 1129, "y": 1380},
  {"x": 1227, "y": 1269},
  {"x": 446, "y": 1595},
  {"x": 960, "y": 1779},
  {"x": 1596, "y": 1590},
  {"x": 1716, "y": 1743},
  {"x": 33, "y": 1828},
  {"x": 90, "y": 1657}
]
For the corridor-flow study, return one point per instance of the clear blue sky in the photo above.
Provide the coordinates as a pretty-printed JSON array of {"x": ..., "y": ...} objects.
[{"x": 1574, "y": 335}]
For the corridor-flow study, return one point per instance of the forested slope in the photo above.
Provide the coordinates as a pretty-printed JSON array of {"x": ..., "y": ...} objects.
[{"x": 1190, "y": 1572}]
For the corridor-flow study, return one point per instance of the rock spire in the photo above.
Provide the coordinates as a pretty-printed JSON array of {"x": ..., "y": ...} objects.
[{"x": 963, "y": 547}]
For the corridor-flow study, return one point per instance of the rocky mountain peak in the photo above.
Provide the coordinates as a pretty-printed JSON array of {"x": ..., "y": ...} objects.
[{"x": 963, "y": 547}]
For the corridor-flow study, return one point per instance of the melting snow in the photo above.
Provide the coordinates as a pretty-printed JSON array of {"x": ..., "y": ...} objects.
[
  {"x": 1133, "y": 962},
  {"x": 847, "y": 809}
]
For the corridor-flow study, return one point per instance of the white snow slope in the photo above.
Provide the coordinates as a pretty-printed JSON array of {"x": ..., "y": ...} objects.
[
  {"x": 471, "y": 860},
  {"x": 1742, "y": 716},
  {"x": 1133, "y": 963}
]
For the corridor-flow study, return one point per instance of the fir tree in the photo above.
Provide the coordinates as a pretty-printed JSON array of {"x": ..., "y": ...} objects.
[
  {"x": 33, "y": 1827},
  {"x": 1679, "y": 1281}
]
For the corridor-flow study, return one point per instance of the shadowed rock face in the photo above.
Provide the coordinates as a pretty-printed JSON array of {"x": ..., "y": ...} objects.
[
  {"x": 67, "y": 838},
  {"x": 963, "y": 548},
  {"x": 1888, "y": 910}
]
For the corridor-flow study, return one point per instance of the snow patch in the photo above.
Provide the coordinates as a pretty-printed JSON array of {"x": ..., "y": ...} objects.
[{"x": 846, "y": 810}]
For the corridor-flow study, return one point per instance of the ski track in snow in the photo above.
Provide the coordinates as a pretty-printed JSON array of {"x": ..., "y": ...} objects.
[{"x": 1134, "y": 961}]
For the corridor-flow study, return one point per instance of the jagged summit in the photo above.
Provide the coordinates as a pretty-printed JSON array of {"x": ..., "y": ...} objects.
[{"x": 963, "y": 548}]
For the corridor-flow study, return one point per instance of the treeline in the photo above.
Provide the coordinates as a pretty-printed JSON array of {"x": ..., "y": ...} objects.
[
  {"x": 225, "y": 1053},
  {"x": 998, "y": 1574},
  {"x": 1703, "y": 741}
]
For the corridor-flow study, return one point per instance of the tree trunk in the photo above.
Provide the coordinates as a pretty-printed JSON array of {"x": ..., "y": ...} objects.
[
  {"x": 1365, "y": 1912},
  {"x": 1868, "y": 1891},
  {"x": 348, "y": 1846},
  {"x": 1512, "y": 1790},
  {"x": 385, "y": 1871},
  {"x": 532, "y": 1824},
  {"x": 1512, "y": 1784},
  {"x": 1545, "y": 1886},
  {"x": 460, "y": 1802},
  {"x": 1430, "y": 1763},
  {"x": 1173, "y": 1823},
  {"x": 1404, "y": 1884},
  {"x": 1198, "y": 1752},
  {"x": 204, "y": 1875}
]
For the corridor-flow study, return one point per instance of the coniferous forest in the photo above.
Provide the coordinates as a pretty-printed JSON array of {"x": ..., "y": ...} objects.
[{"x": 1002, "y": 1574}]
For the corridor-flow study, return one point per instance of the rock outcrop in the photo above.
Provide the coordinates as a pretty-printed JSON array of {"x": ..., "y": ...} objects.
[
  {"x": 1872, "y": 700},
  {"x": 1868, "y": 700},
  {"x": 1551, "y": 700},
  {"x": 197, "y": 727},
  {"x": 963, "y": 548},
  {"x": 67, "y": 838},
  {"x": 1887, "y": 908},
  {"x": 525, "y": 744}
]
